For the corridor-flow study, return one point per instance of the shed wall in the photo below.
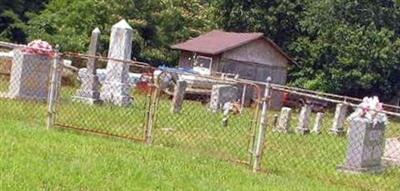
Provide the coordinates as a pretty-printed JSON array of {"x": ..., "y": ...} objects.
[
  {"x": 254, "y": 61},
  {"x": 257, "y": 61},
  {"x": 258, "y": 51}
]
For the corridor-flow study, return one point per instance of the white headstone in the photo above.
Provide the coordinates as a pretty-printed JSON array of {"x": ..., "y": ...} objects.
[
  {"x": 304, "y": 120},
  {"x": 116, "y": 88},
  {"x": 365, "y": 148},
  {"x": 89, "y": 90},
  {"x": 318, "y": 123},
  {"x": 338, "y": 122},
  {"x": 29, "y": 76},
  {"x": 284, "y": 120}
]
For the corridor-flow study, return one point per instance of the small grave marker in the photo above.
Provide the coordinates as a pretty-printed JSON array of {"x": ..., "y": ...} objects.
[
  {"x": 338, "y": 122},
  {"x": 284, "y": 120},
  {"x": 179, "y": 94},
  {"x": 318, "y": 123},
  {"x": 304, "y": 120}
]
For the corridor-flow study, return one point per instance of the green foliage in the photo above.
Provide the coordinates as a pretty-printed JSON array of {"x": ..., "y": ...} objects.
[
  {"x": 341, "y": 46},
  {"x": 349, "y": 48},
  {"x": 157, "y": 24},
  {"x": 277, "y": 19},
  {"x": 13, "y": 15}
]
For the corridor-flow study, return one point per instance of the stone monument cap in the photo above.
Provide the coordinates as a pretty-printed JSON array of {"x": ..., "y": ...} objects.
[
  {"x": 96, "y": 30},
  {"x": 122, "y": 24}
]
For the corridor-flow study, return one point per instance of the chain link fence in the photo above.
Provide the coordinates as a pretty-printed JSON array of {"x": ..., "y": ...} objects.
[
  {"x": 221, "y": 117},
  {"x": 310, "y": 141},
  {"x": 24, "y": 82},
  {"x": 166, "y": 107},
  {"x": 206, "y": 115},
  {"x": 112, "y": 105}
]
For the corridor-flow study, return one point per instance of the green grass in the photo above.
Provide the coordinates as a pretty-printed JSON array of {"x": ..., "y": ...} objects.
[
  {"x": 37, "y": 159},
  {"x": 185, "y": 155}
]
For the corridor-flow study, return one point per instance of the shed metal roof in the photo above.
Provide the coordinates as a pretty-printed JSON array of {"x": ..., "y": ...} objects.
[{"x": 217, "y": 42}]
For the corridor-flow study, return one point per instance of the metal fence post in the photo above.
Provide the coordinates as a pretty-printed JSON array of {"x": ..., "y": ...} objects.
[
  {"x": 51, "y": 114},
  {"x": 151, "y": 115},
  {"x": 258, "y": 149}
]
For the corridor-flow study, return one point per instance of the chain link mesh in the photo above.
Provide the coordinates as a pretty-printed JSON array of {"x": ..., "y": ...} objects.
[
  {"x": 326, "y": 145},
  {"x": 214, "y": 116}
]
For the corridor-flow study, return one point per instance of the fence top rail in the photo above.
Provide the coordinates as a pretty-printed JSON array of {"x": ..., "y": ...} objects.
[
  {"x": 345, "y": 98},
  {"x": 330, "y": 100}
]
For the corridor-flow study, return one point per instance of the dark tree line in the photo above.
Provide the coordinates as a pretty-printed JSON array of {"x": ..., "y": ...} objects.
[{"x": 341, "y": 46}]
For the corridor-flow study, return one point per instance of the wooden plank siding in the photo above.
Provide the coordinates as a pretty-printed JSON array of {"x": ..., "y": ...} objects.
[{"x": 255, "y": 60}]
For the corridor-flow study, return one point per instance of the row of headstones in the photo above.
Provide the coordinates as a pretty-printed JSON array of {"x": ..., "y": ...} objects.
[
  {"x": 366, "y": 141},
  {"x": 283, "y": 122},
  {"x": 28, "y": 82}
]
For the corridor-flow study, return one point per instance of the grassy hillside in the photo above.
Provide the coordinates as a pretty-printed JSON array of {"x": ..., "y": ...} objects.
[
  {"x": 186, "y": 158},
  {"x": 36, "y": 159}
]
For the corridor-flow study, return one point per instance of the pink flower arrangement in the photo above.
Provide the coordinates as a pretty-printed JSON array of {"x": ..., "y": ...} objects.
[
  {"x": 371, "y": 109},
  {"x": 39, "y": 47}
]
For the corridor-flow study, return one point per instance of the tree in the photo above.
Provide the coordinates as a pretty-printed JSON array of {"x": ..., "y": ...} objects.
[
  {"x": 349, "y": 48},
  {"x": 277, "y": 19},
  {"x": 157, "y": 24},
  {"x": 13, "y": 16}
]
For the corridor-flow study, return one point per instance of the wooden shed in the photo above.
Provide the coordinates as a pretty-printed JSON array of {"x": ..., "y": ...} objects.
[{"x": 250, "y": 55}]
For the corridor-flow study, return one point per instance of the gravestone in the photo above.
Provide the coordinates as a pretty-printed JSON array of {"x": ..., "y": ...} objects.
[
  {"x": 392, "y": 152},
  {"x": 220, "y": 94},
  {"x": 284, "y": 120},
  {"x": 179, "y": 94},
  {"x": 338, "y": 121},
  {"x": 89, "y": 90},
  {"x": 318, "y": 123},
  {"x": 366, "y": 143},
  {"x": 116, "y": 89},
  {"x": 304, "y": 120},
  {"x": 29, "y": 76}
]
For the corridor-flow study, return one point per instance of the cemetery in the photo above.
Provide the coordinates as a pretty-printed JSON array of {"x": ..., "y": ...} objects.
[{"x": 330, "y": 146}]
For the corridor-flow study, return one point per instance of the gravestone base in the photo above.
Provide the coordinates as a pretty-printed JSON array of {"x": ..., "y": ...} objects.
[
  {"x": 303, "y": 131},
  {"x": 116, "y": 93},
  {"x": 366, "y": 143},
  {"x": 338, "y": 132},
  {"x": 30, "y": 76},
  {"x": 87, "y": 100},
  {"x": 353, "y": 170}
]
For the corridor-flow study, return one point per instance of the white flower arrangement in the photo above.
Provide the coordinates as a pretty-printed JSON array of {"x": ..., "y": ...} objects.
[{"x": 371, "y": 109}]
